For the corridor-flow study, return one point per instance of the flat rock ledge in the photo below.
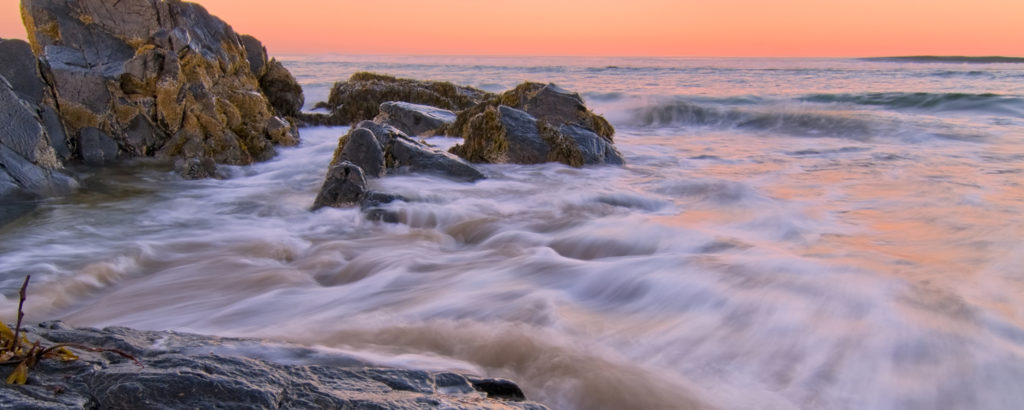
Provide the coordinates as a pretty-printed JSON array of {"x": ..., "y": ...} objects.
[{"x": 192, "y": 371}]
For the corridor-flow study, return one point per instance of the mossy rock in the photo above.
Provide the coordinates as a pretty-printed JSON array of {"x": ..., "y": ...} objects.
[{"x": 360, "y": 97}]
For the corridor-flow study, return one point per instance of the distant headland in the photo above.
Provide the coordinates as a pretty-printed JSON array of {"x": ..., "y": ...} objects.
[{"x": 948, "y": 59}]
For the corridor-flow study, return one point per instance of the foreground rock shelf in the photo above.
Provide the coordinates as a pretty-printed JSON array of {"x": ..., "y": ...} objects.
[{"x": 193, "y": 371}]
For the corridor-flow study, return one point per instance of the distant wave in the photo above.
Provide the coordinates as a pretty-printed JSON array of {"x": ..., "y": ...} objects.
[
  {"x": 983, "y": 103},
  {"x": 947, "y": 59},
  {"x": 796, "y": 122}
]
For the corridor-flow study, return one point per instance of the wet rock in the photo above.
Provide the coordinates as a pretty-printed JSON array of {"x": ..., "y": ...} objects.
[
  {"x": 193, "y": 371},
  {"x": 414, "y": 119},
  {"x": 196, "y": 168},
  {"x": 363, "y": 150},
  {"x": 157, "y": 78},
  {"x": 531, "y": 124},
  {"x": 360, "y": 97},
  {"x": 344, "y": 186},
  {"x": 403, "y": 154},
  {"x": 410, "y": 156}
]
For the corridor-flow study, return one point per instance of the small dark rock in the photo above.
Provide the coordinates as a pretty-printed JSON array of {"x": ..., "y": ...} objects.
[
  {"x": 345, "y": 186},
  {"x": 498, "y": 388}
]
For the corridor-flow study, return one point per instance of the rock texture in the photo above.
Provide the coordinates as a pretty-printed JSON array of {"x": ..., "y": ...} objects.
[
  {"x": 414, "y": 119},
  {"x": 193, "y": 371},
  {"x": 531, "y": 124},
  {"x": 360, "y": 97},
  {"x": 29, "y": 165},
  {"x": 155, "y": 77}
]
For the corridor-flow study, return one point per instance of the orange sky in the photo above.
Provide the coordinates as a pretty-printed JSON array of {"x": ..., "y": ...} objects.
[{"x": 622, "y": 27}]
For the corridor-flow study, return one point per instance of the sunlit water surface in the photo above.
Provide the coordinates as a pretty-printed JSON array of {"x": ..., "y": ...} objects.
[{"x": 786, "y": 234}]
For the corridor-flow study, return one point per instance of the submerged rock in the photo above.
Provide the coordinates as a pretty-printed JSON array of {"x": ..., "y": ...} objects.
[
  {"x": 531, "y": 124},
  {"x": 414, "y": 119},
  {"x": 360, "y": 97},
  {"x": 161, "y": 78},
  {"x": 193, "y": 371}
]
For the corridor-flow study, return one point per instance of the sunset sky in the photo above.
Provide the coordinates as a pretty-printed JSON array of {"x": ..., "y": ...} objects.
[{"x": 783, "y": 28}]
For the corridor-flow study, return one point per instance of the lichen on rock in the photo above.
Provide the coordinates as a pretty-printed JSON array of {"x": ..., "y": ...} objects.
[{"x": 168, "y": 68}]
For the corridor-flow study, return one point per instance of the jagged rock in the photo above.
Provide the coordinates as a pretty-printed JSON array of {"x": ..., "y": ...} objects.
[
  {"x": 403, "y": 154},
  {"x": 18, "y": 66},
  {"x": 360, "y": 97},
  {"x": 276, "y": 82},
  {"x": 96, "y": 147},
  {"x": 160, "y": 78},
  {"x": 344, "y": 186},
  {"x": 196, "y": 168},
  {"x": 27, "y": 161},
  {"x": 414, "y": 119},
  {"x": 531, "y": 124},
  {"x": 363, "y": 150},
  {"x": 193, "y": 371}
]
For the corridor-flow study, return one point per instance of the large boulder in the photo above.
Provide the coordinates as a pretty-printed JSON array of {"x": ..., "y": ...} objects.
[
  {"x": 414, "y": 119},
  {"x": 360, "y": 97},
  {"x": 180, "y": 370},
  {"x": 158, "y": 78},
  {"x": 540, "y": 123}
]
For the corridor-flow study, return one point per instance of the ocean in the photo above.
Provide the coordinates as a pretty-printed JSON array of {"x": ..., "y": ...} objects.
[{"x": 787, "y": 233}]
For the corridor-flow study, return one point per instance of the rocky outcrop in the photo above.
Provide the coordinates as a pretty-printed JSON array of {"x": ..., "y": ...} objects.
[
  {"x": 29, "y": 165},
  {"x": 360, "y": 97},
  {"x": 414, "y": 119},
  {"x": 192, "y": 371},
  {"x": 276, "y": 82},
  {"x": 155, "y": 78},
  {"x": 534, "y": 123}
]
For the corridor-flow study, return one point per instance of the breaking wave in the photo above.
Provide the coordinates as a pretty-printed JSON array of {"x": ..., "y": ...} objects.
[{"x": 937, "y": 102}]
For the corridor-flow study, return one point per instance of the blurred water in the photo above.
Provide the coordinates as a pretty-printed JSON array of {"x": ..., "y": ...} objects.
[{"x": 786, "y": 234}]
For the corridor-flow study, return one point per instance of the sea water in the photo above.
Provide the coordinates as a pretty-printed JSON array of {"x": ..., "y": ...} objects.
[{"x": 787, "y": 233}]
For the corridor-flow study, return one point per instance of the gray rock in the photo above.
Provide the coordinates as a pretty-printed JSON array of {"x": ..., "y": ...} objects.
[
  {"x": 525, "y": 145},
  {"x": 385, "y": 133},
  {"x": 344, "y": 186},
  {"x": 414, "y": 119},
  {"x": 27, "y": 160},
  {"x": 412, "y": 156},
  {"x": 363, "y": 150},
  {"x": 595, "y": 150},
  {"x": 193, "y": 371},
  {"x": 18, "y": 66},
  {"x": 96, "y": 147},
  {"x": 256, "y": 53}
]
